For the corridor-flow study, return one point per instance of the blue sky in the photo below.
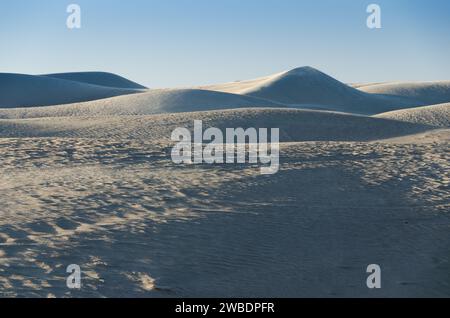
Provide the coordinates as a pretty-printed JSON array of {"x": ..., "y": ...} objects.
[{"x": 162, "y": 43}]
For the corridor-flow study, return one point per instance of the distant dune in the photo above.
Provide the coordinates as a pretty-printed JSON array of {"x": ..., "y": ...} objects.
[
  {"x": 18, "y": 90},
  {"x": 150, "y": 102},
  {"x": 303, "y": 87},
  {"x": 434, "y": 115},
  {"x": 427, "y": 93},
  {"x": 295, "y": 125},
  {"x": 98, "y": 78},
  {"x": 83, "y": 96},
  {"x": 307, "y": 85}
]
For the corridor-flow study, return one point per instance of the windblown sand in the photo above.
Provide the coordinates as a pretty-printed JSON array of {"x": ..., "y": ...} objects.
[{"x": 93, "y": 184}]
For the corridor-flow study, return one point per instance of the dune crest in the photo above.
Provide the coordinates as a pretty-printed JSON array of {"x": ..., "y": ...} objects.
[
  {"x": 98, "y": 78},
  {"x": 303, "y": 87},
  {"x": 295, "y": 125},
  {"x": 434, "y": 115},
  {"x": 427, "y": 93},
  {"x": 19, "y": 90},
  {"x": 306, "y": 85},
  {"x": 147, "y": 103}
]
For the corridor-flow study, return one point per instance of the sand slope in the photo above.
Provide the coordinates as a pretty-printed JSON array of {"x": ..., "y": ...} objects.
[
  {"x": 427, "y": 93},
  {"x": 150, "y": 102},
  {"x": 141, "y": 226},
  {"x": 294, "y": 125},
  {"x": 306, "y": 85},
  {"x": 435, "y": 115},
  {"x": 434, "y": 136},
  {"x": 98, "y": 78},
  {"x": 18, "y": 90},
  {"x": 303, "y": 87}
]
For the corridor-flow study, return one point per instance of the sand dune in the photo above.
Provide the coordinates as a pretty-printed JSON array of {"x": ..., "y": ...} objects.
[
  {"x": 307, "y": 85},
  {"x": 93, "y": 183},
  {"x": 98, "y": 78},
  {"x": 435, "y": 115},
  {"x": 427, "y": 93},
  {"x": 150, "y": 102},
  {"x": 294, "y": 125},
  {"x": 18, "y": 90},
  {"x": 299, "y": 88}
]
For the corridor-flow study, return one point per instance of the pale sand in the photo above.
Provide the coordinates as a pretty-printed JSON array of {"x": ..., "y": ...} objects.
[
  {"x": 428, "y": 93},
  {"x": 294, "y": 125},
  {"x": 434, "y": 115},
  {"x": 139, "y": 225},
  {"x": 93, "y": 184},
  {"x": 18, "y": 90}
]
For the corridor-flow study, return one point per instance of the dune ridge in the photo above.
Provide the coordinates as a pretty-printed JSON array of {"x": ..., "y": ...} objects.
[
  {"x": 98, "y": 78},
  {"x": 150, "y": 102},
  {"x": 434, "y": 115},
  {"x": 295, "y": 125},
  {"x": 303, "y": 87},
  {"x": 306, "y": 85},
  {"x": 427, "y": 93},
  {"x": 19, "y": 90}
]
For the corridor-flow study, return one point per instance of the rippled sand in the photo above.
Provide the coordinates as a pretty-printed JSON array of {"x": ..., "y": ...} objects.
[{"x": 139, "y": 225}]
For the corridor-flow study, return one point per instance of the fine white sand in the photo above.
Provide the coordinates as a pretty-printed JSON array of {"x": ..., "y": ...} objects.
[
  {"x": 307, "y": 85},
  {"x": 434, "y": 115},
  {"x": 294, "y": 125},
  {"x": 428, "y": 93},
  {"x": 17, "y": 90},
  {"x": 92, "y": 183},
  {"x": 151, "y": 102},
  {"x": 98, "y": 78}
]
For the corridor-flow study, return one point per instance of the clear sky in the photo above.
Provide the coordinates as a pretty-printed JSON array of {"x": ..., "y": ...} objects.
[{"x": 162, "y": 43}]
